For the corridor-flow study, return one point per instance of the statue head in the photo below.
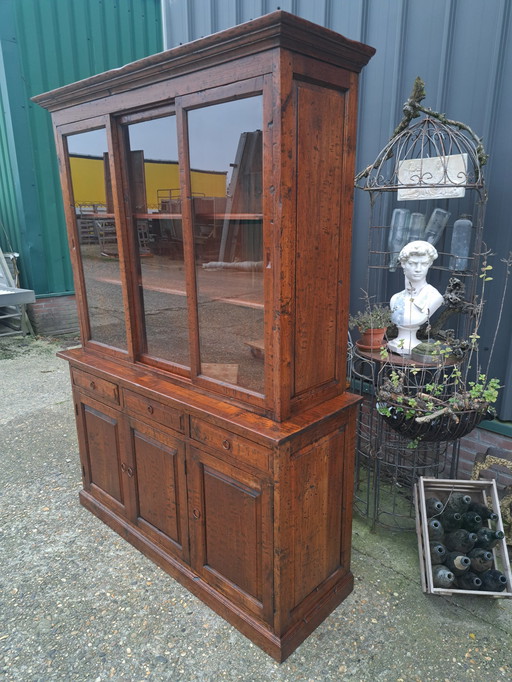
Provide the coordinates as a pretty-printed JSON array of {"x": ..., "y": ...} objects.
[{"x": 417, "y": 249}]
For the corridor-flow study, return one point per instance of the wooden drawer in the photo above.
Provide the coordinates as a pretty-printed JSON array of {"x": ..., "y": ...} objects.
[
  {"x": 100, "y": 388},
  {"x": 163, "y": 414},
  {"x": 230, "y": 444}
]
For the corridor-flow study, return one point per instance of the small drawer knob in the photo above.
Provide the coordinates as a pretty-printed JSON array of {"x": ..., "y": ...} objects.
[
  {"x": 226, "y": 444},
  {"x": 92, "y": 385},
  {"x": 196, "y": 514},
  {"x": 150, "y": 409}
]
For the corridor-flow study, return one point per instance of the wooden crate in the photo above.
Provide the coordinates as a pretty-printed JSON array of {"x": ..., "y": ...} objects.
[{"x": 480, "y": 491}]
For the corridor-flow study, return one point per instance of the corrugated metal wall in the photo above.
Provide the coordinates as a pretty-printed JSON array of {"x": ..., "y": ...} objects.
[
  {"x": 46, "y": 44},
  {"x": 463, "y": 51}
]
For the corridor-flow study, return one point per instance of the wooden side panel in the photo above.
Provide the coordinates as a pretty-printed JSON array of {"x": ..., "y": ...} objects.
[
  {"x": 320, "y": 117},
  {"x": 314, "y": 505}
]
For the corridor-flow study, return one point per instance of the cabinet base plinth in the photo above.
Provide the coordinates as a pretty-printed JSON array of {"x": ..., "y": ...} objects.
[{"x": 279, "y": 647}]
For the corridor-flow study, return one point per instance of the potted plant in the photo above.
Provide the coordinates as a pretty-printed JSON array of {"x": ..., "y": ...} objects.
[
  {"x": 443, "y": 400},
  {"x": 372, "y": 323}
]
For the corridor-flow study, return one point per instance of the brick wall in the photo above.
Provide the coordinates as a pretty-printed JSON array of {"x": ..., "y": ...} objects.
[
  {"x": 54, "y": 315},
  {"x": 476, "y": 443}
]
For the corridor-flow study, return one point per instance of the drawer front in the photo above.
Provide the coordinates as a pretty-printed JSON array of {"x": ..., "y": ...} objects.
[
  {"x": 163, "y": 414},
  {"x": 100, "y": 388},
  {"x": 231, "y": 444}
]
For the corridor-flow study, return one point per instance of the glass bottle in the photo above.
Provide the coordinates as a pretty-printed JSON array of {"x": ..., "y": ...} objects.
[
  {"x": 416, "y": 227},
  {"x": 435, "y": 529},
  {"x": 461, "y": 242},
  {"x": 458, "y": 502},
  {"x": 481, "y": 559},
  {"x": 483, "y": 511},
  {"x": 435, "y": 226},
  {"x": 469, "y": 581},
  {"x": 450, "y": 520},
  {"x": 437, "y": 553},
  {"x": 457, "y": 563},
  {"x": 433, "y": 506},
  {"x": 460, "y": 540},
  {"x": 398, "y": 235},
  {"x": 493, "y": 581},
  {"x": 471, "y": 521},
  {"x": 442, "y": 576},
  {"x": 487, "y": 538}
]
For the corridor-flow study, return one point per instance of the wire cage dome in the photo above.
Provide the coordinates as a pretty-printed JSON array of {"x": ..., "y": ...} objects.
[{"x": 435, "y": 155}]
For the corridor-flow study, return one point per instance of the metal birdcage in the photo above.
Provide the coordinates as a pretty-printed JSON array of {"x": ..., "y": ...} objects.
[{"x": 430, "y": 164}]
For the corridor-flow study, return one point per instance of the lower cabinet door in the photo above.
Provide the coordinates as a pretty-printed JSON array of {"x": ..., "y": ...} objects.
[
  {"x": 106, "y": 463},
  {"x": 159, "y": 499},
  {"x": 230, "y": 514}
]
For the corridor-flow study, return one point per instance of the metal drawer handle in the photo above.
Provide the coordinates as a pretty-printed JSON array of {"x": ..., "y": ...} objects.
[
  {"x": 196, "y": 514},
  {"x": 226, "y": 444}
]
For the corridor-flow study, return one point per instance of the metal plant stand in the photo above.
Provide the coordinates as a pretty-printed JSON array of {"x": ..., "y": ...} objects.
[{"x": 430, "y": 165}]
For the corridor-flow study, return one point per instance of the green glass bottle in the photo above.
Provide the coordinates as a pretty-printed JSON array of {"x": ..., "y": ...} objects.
[
  {"x": 487, "y": 538},
  {"x": 435, "y": 529},
  {"x": 483, "y": 511},
  {"x": 460, "y": 540},
  {"x": 450, "y": 520},
  {"x": 493, "y": 581},
  {"x": 481, "y": 559},
  {"x": 457, "y": 563},
  {"x": 434, "y": 506},
  {"x": 442, "y": 576},
  {"x": 469, "y": 581},
  {"x": 471, "y": 521},
  {"x": 458, "y": 502},
  {"x": 437, "y": 553}
]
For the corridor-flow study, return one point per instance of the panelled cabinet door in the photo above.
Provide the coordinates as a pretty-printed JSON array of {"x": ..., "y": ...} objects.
[
  {"x": 230, "y": 515},
  {"x": 158, "y": 504},
  {"x": 106, "y": 464}
]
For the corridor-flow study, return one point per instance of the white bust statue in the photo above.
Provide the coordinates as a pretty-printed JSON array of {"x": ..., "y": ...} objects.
[{"x": 413, "y": 306}]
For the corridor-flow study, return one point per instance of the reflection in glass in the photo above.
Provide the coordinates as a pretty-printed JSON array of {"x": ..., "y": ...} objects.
[
  {"x": 156, "y": 220},
  {"x": 225, "y": 147},
  {"x": 92, "y": 192}
]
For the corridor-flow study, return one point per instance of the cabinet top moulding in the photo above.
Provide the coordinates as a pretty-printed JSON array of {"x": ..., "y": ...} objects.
[{"x": 278, "y": 29}]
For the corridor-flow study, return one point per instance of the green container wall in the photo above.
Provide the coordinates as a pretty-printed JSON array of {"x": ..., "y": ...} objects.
[{"x": 45, "y": 44}]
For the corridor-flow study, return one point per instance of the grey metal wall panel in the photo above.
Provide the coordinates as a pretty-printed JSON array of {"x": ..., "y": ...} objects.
[{"x": 463, "y": 51}]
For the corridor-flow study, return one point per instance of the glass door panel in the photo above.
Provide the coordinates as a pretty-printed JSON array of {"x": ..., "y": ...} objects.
[
  {"x": 157, "y": 224},
  {"x": 225, "y": 155},
  {"x": 97, "y": 236}
]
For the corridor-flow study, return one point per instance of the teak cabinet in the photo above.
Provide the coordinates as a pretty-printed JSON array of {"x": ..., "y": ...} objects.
[{"x": 208, "y": 195}]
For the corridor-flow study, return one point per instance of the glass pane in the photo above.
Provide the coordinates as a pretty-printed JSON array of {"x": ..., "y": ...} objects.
[
  {"x": 92, "y": 192},
  {"x": 225, "y": 146},
  {"x": 156, "y": 206}
]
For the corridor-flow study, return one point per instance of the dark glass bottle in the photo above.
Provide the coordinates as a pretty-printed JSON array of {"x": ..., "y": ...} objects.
[
  {"x": 442, "y": 576},
  {"x": 458, "y": 502},
  {"x": 457, "y": 563},
  {"x": 434, "y": 506},
  {"x": 460, "y": 540},
  {"x": 450, "y": 520},
  {"x": 469, "y": 581},
  {"x": 493, "y": 581},
  {"x": 471, "y": 521},
  {"x": 487, "y": 538},
  {"x": 437, "y": 553},
  {"x": 483, "y": 511},
  {"x": 435, "y": 529},
  {"x": 481, "y": 559}
]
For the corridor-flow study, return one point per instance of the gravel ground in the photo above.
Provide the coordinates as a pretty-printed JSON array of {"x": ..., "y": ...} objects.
[{"x": 80, "y": 604}]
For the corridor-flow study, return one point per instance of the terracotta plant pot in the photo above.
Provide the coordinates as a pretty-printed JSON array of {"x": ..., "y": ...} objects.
[{"x": 371, "y": 339}]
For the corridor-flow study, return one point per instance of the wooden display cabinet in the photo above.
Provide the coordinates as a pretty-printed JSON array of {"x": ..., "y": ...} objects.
[{"x": 208, "y": 196}]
